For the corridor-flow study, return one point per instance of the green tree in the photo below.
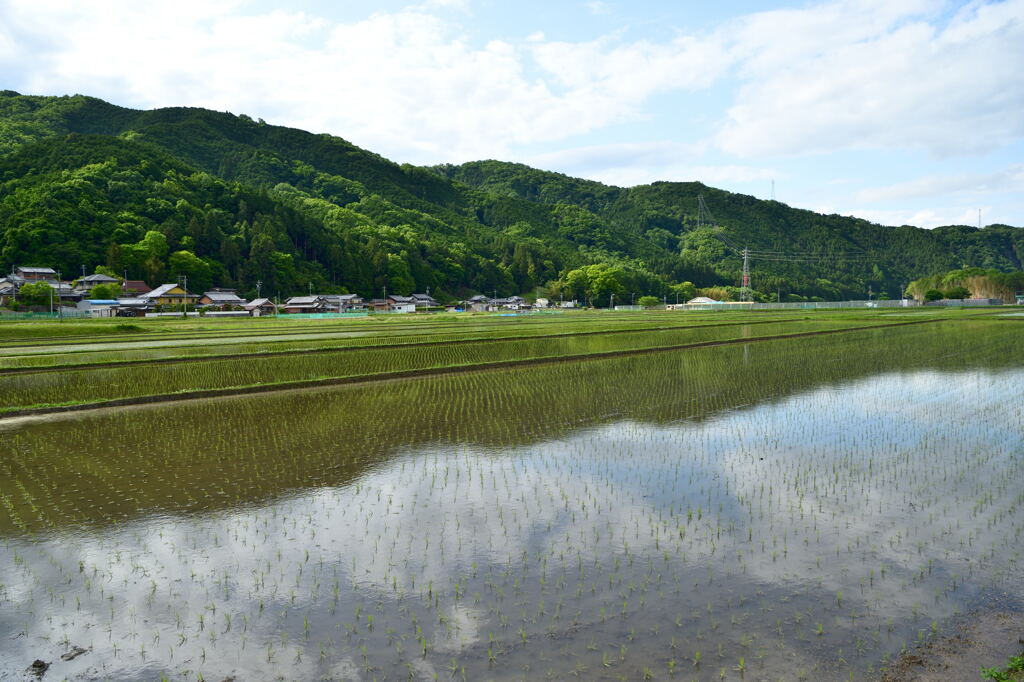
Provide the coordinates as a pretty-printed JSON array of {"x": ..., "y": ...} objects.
[
  {"x": 958, "y": 293},
  {"x": 36, "y": 293},
  {"x": 933, "y": 295},
  {"x": 148, "y": 255},
  {"x": 605, "y": 280},
  {"x": 648, "y": 301},
  {"x": 104, "y": 270},
  {"x": 192, "y": 266},
  {"x": 716, "y": 293},
  {"x": 105, "y": 291},
  {"x": 683, "y": 291}
]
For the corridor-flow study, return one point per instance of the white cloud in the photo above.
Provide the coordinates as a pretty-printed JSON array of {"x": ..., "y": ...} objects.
[
  {"x": 926, "y": 218},
  {"x": 1009, "y": 179},
  {"x": 629, "y": 164},
  {"x": 408, "y": 83},
  {"x": 855, "y": 75},
  {"x": 727, "y": 175},
  {"x": 609, "y": 156},
  {"x": 416, "y": 85}
]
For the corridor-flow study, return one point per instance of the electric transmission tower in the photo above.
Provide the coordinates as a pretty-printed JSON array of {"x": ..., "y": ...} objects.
[{"x": 706, "y": 219}]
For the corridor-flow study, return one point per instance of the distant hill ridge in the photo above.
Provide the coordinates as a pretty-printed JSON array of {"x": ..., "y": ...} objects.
[{"x": 229, "y": 201}]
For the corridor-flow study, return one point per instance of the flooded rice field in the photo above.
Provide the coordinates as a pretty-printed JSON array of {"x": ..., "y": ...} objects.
[{"x": 787, "y": 509}]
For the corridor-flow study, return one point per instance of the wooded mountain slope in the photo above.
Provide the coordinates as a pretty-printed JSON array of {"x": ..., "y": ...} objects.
[{"x": 228, "y": 201}]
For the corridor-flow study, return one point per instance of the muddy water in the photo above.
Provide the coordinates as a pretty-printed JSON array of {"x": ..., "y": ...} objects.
[{"x": 786, "y": 510}]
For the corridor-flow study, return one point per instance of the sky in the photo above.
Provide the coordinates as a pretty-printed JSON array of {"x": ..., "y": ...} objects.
[{"x": 896, "y": 111}]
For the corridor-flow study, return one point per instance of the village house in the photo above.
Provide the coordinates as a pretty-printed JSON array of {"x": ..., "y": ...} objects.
[
  {"x": 85, "y": 284},
  {"x": 352, "y": 302},
  {"x": 260, "y": 307},
  {"x": 401, "y": 304},
  {"x": 403, "y": 307},
  {"x": 478, "y": 303},
  {"x": 345, "y": 302},
  {"x": 7, "y": 290},
  {"x": 511, "y": 303},
  {"x": 392, "y": 304},
  {"x": 395, "y": 299},
  {"x": 221, "y": 299},
  {"x": 134, "y": 307},
  {"x": 305, "y": 304},
  {"x": 31, "y": 274},
  {"x": 135, "y": 287},
  {"x": 11, "y": 284},
  {"x": 63, "y": 291},
  {"x": 424, "y": 301},
  {"x": 99, "y": 307},
  {"x": 172, "y": 294}
]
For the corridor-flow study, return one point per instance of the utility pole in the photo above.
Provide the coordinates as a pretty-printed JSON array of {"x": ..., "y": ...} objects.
[
  {"x": 745, "y": 289},
  {"x": 611, "y": 302},
  {"x": 259, "y": 285},
  {"x": 60, "y": 312},
  {"x": 184, "y": 297}
]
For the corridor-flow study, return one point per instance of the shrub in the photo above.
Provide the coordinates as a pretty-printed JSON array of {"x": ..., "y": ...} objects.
[
  {"x": 958, "y": 293},
  {"x": 648, "y": 301}
]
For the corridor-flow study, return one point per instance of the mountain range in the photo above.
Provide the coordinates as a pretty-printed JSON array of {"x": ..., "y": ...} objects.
[{"x": 231, "y": 201}]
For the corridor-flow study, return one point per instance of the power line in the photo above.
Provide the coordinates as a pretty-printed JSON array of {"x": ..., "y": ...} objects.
[{"x": 706, "y": 218}]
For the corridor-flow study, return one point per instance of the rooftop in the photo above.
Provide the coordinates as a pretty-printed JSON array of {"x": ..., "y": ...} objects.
[
  {"x": 36, "y": 271},
  {"x": 98, "y": 278}
]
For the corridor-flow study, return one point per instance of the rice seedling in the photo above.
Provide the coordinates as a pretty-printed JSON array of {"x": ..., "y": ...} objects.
[{"x": 620, "y": 515}]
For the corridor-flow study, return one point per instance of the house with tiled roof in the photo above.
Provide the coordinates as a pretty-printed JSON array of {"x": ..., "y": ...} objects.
[
  {"x": 305, "y": 304},
  {"x": 170, "y": 294},
  {"x": 221, "y": 298}
]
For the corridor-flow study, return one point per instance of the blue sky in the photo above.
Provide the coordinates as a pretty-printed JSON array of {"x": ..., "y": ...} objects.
[{"x": 898, "y": 111}]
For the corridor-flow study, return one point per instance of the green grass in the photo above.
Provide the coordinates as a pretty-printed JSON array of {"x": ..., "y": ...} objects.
[
  {"x": 32, "y": 390},
  {"x": 1013, "y": 672}
]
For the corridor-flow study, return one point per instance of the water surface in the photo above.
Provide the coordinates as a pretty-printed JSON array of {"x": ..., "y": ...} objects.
[{"x": 786, "y": 509}]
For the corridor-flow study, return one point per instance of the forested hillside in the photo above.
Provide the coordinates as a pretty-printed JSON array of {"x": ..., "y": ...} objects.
[{"x": 228, "y": 201}]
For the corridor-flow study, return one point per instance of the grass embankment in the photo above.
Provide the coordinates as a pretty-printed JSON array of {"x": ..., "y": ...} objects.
[{"x": 130, "y": 382}]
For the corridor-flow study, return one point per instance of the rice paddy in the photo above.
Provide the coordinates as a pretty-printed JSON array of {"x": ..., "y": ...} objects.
[{"x": 775, "y": 507}]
